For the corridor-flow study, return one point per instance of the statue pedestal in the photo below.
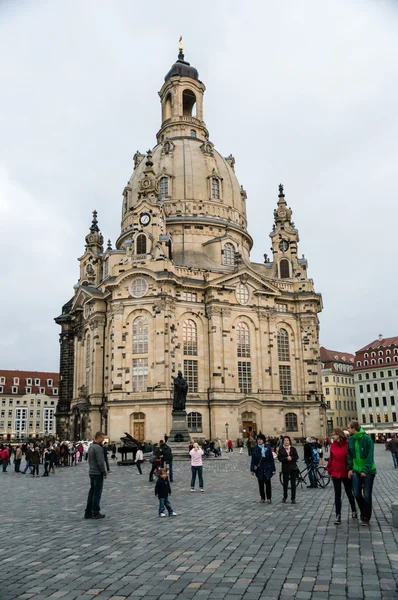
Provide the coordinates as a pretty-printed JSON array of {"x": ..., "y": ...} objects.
[{"x": 179, "y": 428}]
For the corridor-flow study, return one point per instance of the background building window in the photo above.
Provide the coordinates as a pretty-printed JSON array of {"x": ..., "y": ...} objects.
[
  {"x": 228, "y": 257},
  {"x": 242, "y": 293},
  {"x": 48, "y": 420},
  {"x": 140, "y": 335},
  {"x": 195, "y": 422},
  {"x": 244, "y": 376},
  {"x": 243, "y": 340},
  {"x": 191, "y": 374},
  {"x": 164, "y": 187},
  {"x": 189, "y": 296},
  {"x": 190, "y": 338},
  {"x": 291, "y": 422},
  {"x": 215, "y": 188},
  {"x": 140, "y": 374},
  {"x": 285, "y": 380},
  {"x": 21, "y": 416}
]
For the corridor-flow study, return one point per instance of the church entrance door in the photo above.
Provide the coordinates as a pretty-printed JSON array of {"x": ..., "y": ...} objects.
[
  {"x": 139, "y": 431},
  {"x": 248, "y": 423},
  {"x": 138, "y": 426}
]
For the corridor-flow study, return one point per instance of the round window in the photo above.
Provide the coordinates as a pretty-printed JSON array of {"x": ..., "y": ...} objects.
[
  {"x": 138, "y": 287},
  {"x": 242, "y": 293}
]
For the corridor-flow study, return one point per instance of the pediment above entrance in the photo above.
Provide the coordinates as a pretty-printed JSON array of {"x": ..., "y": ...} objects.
[{"x": 246, "y": 277}]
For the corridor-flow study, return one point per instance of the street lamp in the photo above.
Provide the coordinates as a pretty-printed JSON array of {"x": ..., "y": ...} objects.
[
  {"x": 302, "y": 429},
  {"x": 226, "y": 431}
]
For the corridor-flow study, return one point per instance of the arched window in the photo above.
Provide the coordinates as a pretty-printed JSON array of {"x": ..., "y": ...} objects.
[
  {"x": 228, "y": 257},
  {"x": 243, "y": 340},
  {"x": 195, "y": 422},
  {"x": 209, "y": 149},
  {"x": 366, "y": 355},
  {"x": 291, "y": 422},
  {"x": 166, "y": 149},
  {"x": 380, "y": 361},
  {"x": 188, "y": 103},
  {"x": 140, "y": 335},
  {"x": 164, "y": 187},
  {"x": 388, "y": 359},
  {"x": 141, "y": 244},
  {"x": 215, "y": 188},
  {"x": 192, "y": 133},
  {"x": 167, "y": 107},
  {"x": 284, "y": 269},
  {"x": 365, "y": 363},
  {"x": 190, "y": 338},
  {"x": 380, "y": 353},
  {"x": 388, "y": 351},
  {"x": 283, "y": 345},
  {"x": 372, "y": 362},
  {"x": 395, "y": 358},
  {"x": 88, "y": 362}
]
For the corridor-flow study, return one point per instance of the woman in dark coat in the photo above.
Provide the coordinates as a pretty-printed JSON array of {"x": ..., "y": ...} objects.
[
  {"x": 288, "y": 456},
  {"x": 263, "y": 467}
]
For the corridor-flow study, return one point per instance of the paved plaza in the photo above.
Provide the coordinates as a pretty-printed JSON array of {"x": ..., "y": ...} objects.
[{"x": 222, "y": 544}]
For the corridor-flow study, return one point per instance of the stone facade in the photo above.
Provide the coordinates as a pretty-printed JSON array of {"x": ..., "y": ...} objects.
[{"x": 179, "y": 292}]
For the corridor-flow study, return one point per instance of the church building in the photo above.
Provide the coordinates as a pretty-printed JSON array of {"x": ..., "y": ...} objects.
[{"x": 179, "y": 292}]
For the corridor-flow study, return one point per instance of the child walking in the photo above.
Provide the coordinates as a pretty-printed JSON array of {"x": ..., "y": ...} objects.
[{"x": 163, "y": 491}]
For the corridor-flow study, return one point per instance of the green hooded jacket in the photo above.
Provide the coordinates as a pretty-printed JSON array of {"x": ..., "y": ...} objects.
[{"x": 360, "y": 455}]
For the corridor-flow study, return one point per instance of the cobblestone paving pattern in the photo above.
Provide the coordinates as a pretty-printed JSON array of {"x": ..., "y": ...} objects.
[{"x": 222, "y": 544}]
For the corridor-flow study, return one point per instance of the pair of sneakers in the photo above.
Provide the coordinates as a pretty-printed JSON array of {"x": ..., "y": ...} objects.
[
  {"x": 193, "y": 489},
  {"x": 173, "y": 514}
]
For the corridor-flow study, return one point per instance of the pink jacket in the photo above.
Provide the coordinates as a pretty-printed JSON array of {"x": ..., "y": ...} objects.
[{"x": 196, "y": 457}]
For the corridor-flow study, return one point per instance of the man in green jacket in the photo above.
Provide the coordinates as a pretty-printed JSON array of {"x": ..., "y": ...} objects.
[{"x": 361, "y": 469}]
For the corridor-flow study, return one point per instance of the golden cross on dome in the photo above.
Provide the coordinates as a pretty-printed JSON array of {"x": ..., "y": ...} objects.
[{"x": 180, "y": 45}]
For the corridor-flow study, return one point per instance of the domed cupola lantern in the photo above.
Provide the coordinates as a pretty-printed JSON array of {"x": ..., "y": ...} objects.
[{"x": 181, "y": 97}]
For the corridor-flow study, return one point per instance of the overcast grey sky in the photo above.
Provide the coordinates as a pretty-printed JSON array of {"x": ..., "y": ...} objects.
[{"x": 301, "y": 92}]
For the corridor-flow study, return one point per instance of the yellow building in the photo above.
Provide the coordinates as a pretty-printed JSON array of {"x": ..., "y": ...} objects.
[
  {"x": 338, "y": 388},
  {"x": 179, "y": 292}
]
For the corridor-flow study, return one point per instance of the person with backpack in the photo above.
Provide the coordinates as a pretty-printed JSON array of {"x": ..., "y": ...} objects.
[
  {"x": 311, "y": 458},
  {"x": 361, "y": 469},
  {"x": 156, "y": 460},
  {"x": 167, "y": 458}
]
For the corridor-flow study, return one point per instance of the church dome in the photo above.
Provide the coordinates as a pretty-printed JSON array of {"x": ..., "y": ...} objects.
[{"x": 193, "y": 172}]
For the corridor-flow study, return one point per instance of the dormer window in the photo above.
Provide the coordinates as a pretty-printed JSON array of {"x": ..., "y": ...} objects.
[
  {"x": 167, "y": 147},
  {"x": 28, "y": 381},
  {"x": 15, "y": 380},
  {"x": 209, "y": 149},
  {"x": 141, "y": 244},
  {"x": 215, "y": 188},
  {"x": 14, "y": 390},
  {"x": 37, "y": 381},
  {"x": 164, "y": 187},
  {"x": 228, "y": 254},
  {"x": 2, "y": 380},
  {"x": 49, "y": 382},
  {"x": 192, "y": 133}
]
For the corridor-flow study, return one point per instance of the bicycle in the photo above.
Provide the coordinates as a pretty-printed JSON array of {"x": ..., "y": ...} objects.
[{"x": 321, "y": 476}]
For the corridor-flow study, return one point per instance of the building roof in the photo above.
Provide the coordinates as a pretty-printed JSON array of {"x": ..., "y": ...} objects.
[
  {"x": 380, "y": 342},
  {"x": 182, "y": 68},
  {"x": 24, "y": 375},
  {"x": 336, "y": 356}
]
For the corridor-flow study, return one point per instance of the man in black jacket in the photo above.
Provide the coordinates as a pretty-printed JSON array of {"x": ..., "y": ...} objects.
[
  {"x": 167, "y": 458},
  {"x": 97, "y": 473}
]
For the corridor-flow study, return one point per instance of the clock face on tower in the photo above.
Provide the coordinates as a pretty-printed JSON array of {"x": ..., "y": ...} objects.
[
  {"x": 283, "y": 245},
  {"x": 145, "y": 219}
]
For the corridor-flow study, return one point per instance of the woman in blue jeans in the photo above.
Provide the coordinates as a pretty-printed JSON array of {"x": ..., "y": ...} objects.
[{"x": 196, "y": 466}]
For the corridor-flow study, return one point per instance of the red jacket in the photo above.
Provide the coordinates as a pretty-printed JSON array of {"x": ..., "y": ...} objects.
[
  {"x": 5, "y": 454},
  {"x": 337, "y": 463}
]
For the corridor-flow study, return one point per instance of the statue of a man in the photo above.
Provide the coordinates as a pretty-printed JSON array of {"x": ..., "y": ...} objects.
[{"x": 180, "y": 392}]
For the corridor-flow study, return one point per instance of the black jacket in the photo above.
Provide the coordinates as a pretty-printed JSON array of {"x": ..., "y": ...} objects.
[
  {"x": 263, "y": 467},
  {"x": 162, "y": 488},
  {"x": 288, "y": 465},
  {"x": 308, "y": 452}
]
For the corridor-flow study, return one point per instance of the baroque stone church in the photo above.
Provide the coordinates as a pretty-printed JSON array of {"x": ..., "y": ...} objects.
[{"x": 179, "y": 292}]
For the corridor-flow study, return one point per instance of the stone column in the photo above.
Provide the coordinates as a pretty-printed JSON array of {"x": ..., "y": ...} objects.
[{"x": 216, "y": 358}]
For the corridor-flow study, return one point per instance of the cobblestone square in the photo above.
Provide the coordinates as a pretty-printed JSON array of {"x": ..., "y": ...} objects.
[{"x": 222, "y": 544}]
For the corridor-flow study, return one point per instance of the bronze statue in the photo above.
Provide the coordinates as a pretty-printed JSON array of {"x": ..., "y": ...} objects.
[{"x": 180, "y": 392}]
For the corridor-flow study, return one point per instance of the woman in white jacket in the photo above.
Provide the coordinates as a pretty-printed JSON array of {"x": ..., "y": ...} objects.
[
  {"x": 196, "y": 466},
  {"x": 139, "y": 459}
]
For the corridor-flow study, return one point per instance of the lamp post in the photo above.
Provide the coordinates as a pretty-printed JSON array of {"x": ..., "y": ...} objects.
[
  {"x": 226, "y": 432},
  {"x": 302, "y": 429}
]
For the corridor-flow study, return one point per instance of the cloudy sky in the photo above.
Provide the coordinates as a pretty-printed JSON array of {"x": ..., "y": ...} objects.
[{"x": 299, "y": 91}]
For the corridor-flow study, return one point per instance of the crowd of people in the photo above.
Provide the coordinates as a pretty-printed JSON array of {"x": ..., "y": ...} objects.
[{"x": 350, "y": 465}]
